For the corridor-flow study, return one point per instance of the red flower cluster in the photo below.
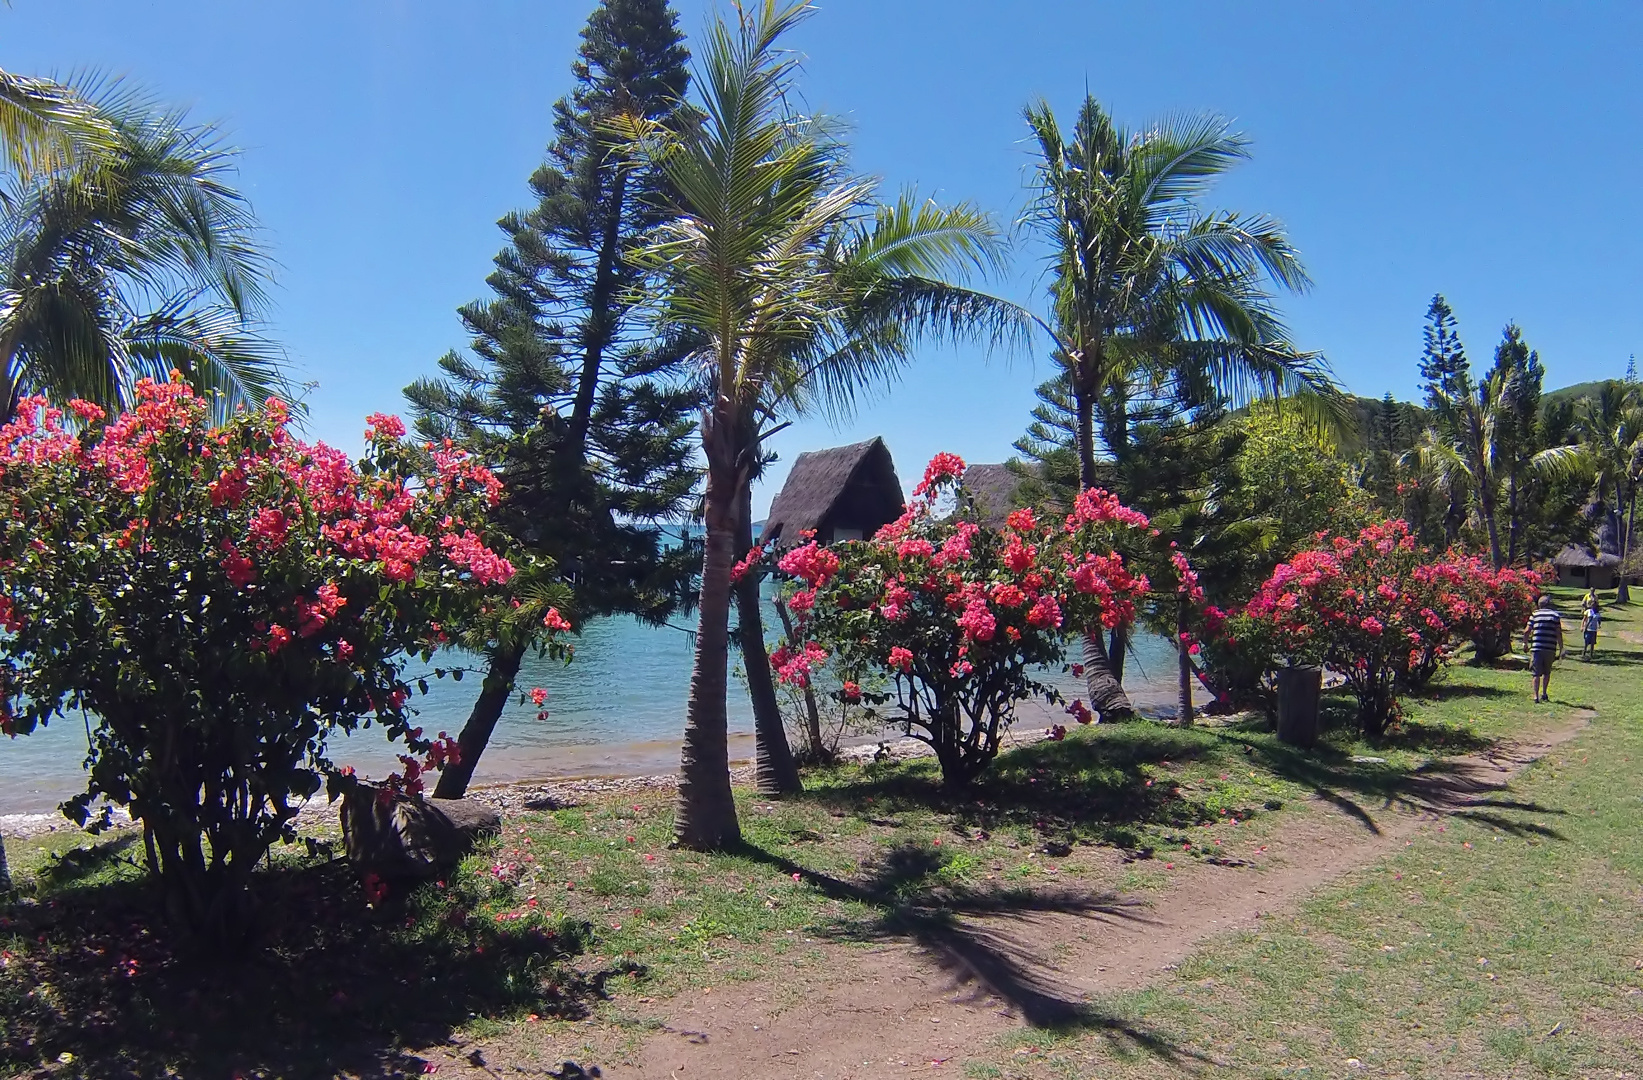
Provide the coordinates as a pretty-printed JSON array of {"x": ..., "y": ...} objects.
[
  {"x": 958, "y": 615},
  {"x": 289, "y": 582},
  {"x": 794, "y": 667},
  {"x": 1383, "y": 612},
  {"x": 943, "y": 468}
]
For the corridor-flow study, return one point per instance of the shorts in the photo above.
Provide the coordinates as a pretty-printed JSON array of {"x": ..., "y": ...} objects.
[
  {"x": 1540, "y": 662},
  {"x": 1591, "y": 637}
]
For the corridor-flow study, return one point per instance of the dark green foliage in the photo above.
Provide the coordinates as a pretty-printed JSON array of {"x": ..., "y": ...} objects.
[
  {"x": 1444, "y": 366},
  {"x": 584, "y": 411},
  {"x": 1518, "y": 432}
]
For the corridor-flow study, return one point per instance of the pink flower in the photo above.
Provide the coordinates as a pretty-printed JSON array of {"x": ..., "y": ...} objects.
[
  {"x": 1021, "y": 520},
  {"x": 1045, "y": 614},
  {"x": 812, "y": 562},
  {"x": 851, "y": 692},
  {"x": 1007, "y": 595},
  {"x": 750, "y": 560},
  {"x": 384, "y": 426},
  {"x": 239, "y": 569},
  {"x": 555, "y": 621},
  {"x": 915, "y": 547},
  {"x": 469, "y": 552},
  {"x": 538, "y": 696},
  {"x": 942, "y": 468},
  {"x": 977, "y": 622},
  {"x": 901, "y": 659},
  {"x": 269, "y": 528}
]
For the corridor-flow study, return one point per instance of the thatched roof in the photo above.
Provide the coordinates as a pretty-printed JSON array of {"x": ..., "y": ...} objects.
[
  {"x": 853, "y": 487},
  {"x": 1575, "y": 556},
  {"x": 994, "y": 489}
]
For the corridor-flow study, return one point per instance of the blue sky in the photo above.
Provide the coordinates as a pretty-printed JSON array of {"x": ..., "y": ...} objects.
[{"x": 1491, "y": 151}]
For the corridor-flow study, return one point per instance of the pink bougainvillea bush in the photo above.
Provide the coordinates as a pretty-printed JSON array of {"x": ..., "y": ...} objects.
[
  {"x": 1484, "y": 605},
  {"x": 218, "y": 601},
  {"x": 1369, "y": 607},
  {"x": 954, "y": 617}
]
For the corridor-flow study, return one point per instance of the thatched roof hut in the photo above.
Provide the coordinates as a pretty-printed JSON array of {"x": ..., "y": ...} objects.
[
  {"x": 1580, "y": 566},
  {"x": 843, "y": 493},
  {"x": 994, "y": 488}
]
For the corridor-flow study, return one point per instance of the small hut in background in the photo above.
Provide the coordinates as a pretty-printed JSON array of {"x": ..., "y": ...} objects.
[
  {"x": 1581, "y": 567},
  {"x": 995, "y": 489},
  {"x": 843, "y": 493}
]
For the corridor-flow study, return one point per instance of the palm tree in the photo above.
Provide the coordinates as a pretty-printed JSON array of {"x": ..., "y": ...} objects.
[
  {"x": 46, "y": 126},
  {"x": 126, "y": 256},
  {"x": 1143, "y": 280},
  {"x": 801, "y": 291},
  {"x": 1610, "y": 428}
]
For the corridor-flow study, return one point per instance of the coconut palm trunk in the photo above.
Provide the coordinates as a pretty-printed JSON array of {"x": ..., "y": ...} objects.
[
  {"x": 1623, "y": 591},
  {"x": 1183, "y": 686},
  {"x": 774, "y": 771},
  {"x": 705, "y": 819},
  {"x": 502, "y": 670},
  {"x": 1103, "y": 680}
]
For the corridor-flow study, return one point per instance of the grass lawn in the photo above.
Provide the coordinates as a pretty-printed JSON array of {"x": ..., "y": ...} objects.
[{"x": 1504, "y": 945}]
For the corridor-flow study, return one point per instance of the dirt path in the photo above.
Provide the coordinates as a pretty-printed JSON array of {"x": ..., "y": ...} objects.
[{"x": 922, "y": 1003}]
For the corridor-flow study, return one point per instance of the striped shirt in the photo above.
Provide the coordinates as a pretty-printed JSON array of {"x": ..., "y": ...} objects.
[{"x": 1544, "y": 628}]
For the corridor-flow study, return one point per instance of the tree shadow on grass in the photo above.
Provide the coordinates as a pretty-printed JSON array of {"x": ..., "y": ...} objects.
[
  {"x": 1462, "y": 780},
  {"x": 1092, "y": 789},
  {"x": 979, "y": 936},
  {"x": 1609, "y": 659},
  {"x": 94, "y": 984}
]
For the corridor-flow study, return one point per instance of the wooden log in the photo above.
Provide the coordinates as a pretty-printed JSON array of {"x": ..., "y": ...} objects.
[{"x": 1299, "y": 689}]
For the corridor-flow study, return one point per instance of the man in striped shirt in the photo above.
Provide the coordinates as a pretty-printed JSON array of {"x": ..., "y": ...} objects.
[{"x": 1544, "y": 633}]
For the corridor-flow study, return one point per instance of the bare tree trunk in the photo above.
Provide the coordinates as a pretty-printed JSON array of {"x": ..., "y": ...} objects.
[
  {"x": 1183, "y": 702},
  {"x": 1512, "y": 527},
  {"x": 1118, "y": 650},
  {"x": 812, "y": 714},
  {"x": 1623, "y": 591},
  {"x": 1107, "y": 695},
  {"x": 1486, "y": 503},
  {"x": 487, "y": 710},
  {"x": 774, "y": 770},
  {"x": 5, "y": 871},
  {"x": 705, "y": 818},
  {"x": 1105, "y": 687},
  {"x": 1086, "y": 442}
]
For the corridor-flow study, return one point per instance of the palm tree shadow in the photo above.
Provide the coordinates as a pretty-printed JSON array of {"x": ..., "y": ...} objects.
[{"x": 977, "y": 937}]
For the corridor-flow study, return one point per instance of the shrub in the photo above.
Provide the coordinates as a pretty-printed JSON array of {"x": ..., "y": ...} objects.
[
  {"x": 218, "y": 601},
  {"x": 956, "y": 617},
  {"x": 1367, "y": 609},
  {"x": 1486, "y": 606}
]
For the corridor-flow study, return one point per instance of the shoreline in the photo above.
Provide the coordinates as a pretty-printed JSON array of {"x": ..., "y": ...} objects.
[{"x": 514, "y": 795}]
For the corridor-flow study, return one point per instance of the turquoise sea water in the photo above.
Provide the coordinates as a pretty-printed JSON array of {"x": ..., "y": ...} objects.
[{"x": 617, "y": 709}]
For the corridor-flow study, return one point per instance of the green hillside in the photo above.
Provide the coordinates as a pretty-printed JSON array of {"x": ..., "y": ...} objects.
[{"x": 1575, "y": 392}]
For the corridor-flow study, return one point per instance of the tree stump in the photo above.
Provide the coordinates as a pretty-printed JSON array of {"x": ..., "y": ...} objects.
[
  {"x": 1299, "y": 689},
  {"x": 399, "y": 836}
]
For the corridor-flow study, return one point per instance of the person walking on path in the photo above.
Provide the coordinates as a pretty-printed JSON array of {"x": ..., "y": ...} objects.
[
  {"x": 1590, "y": 620},
  {"x": 1544, "y": 632}
]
